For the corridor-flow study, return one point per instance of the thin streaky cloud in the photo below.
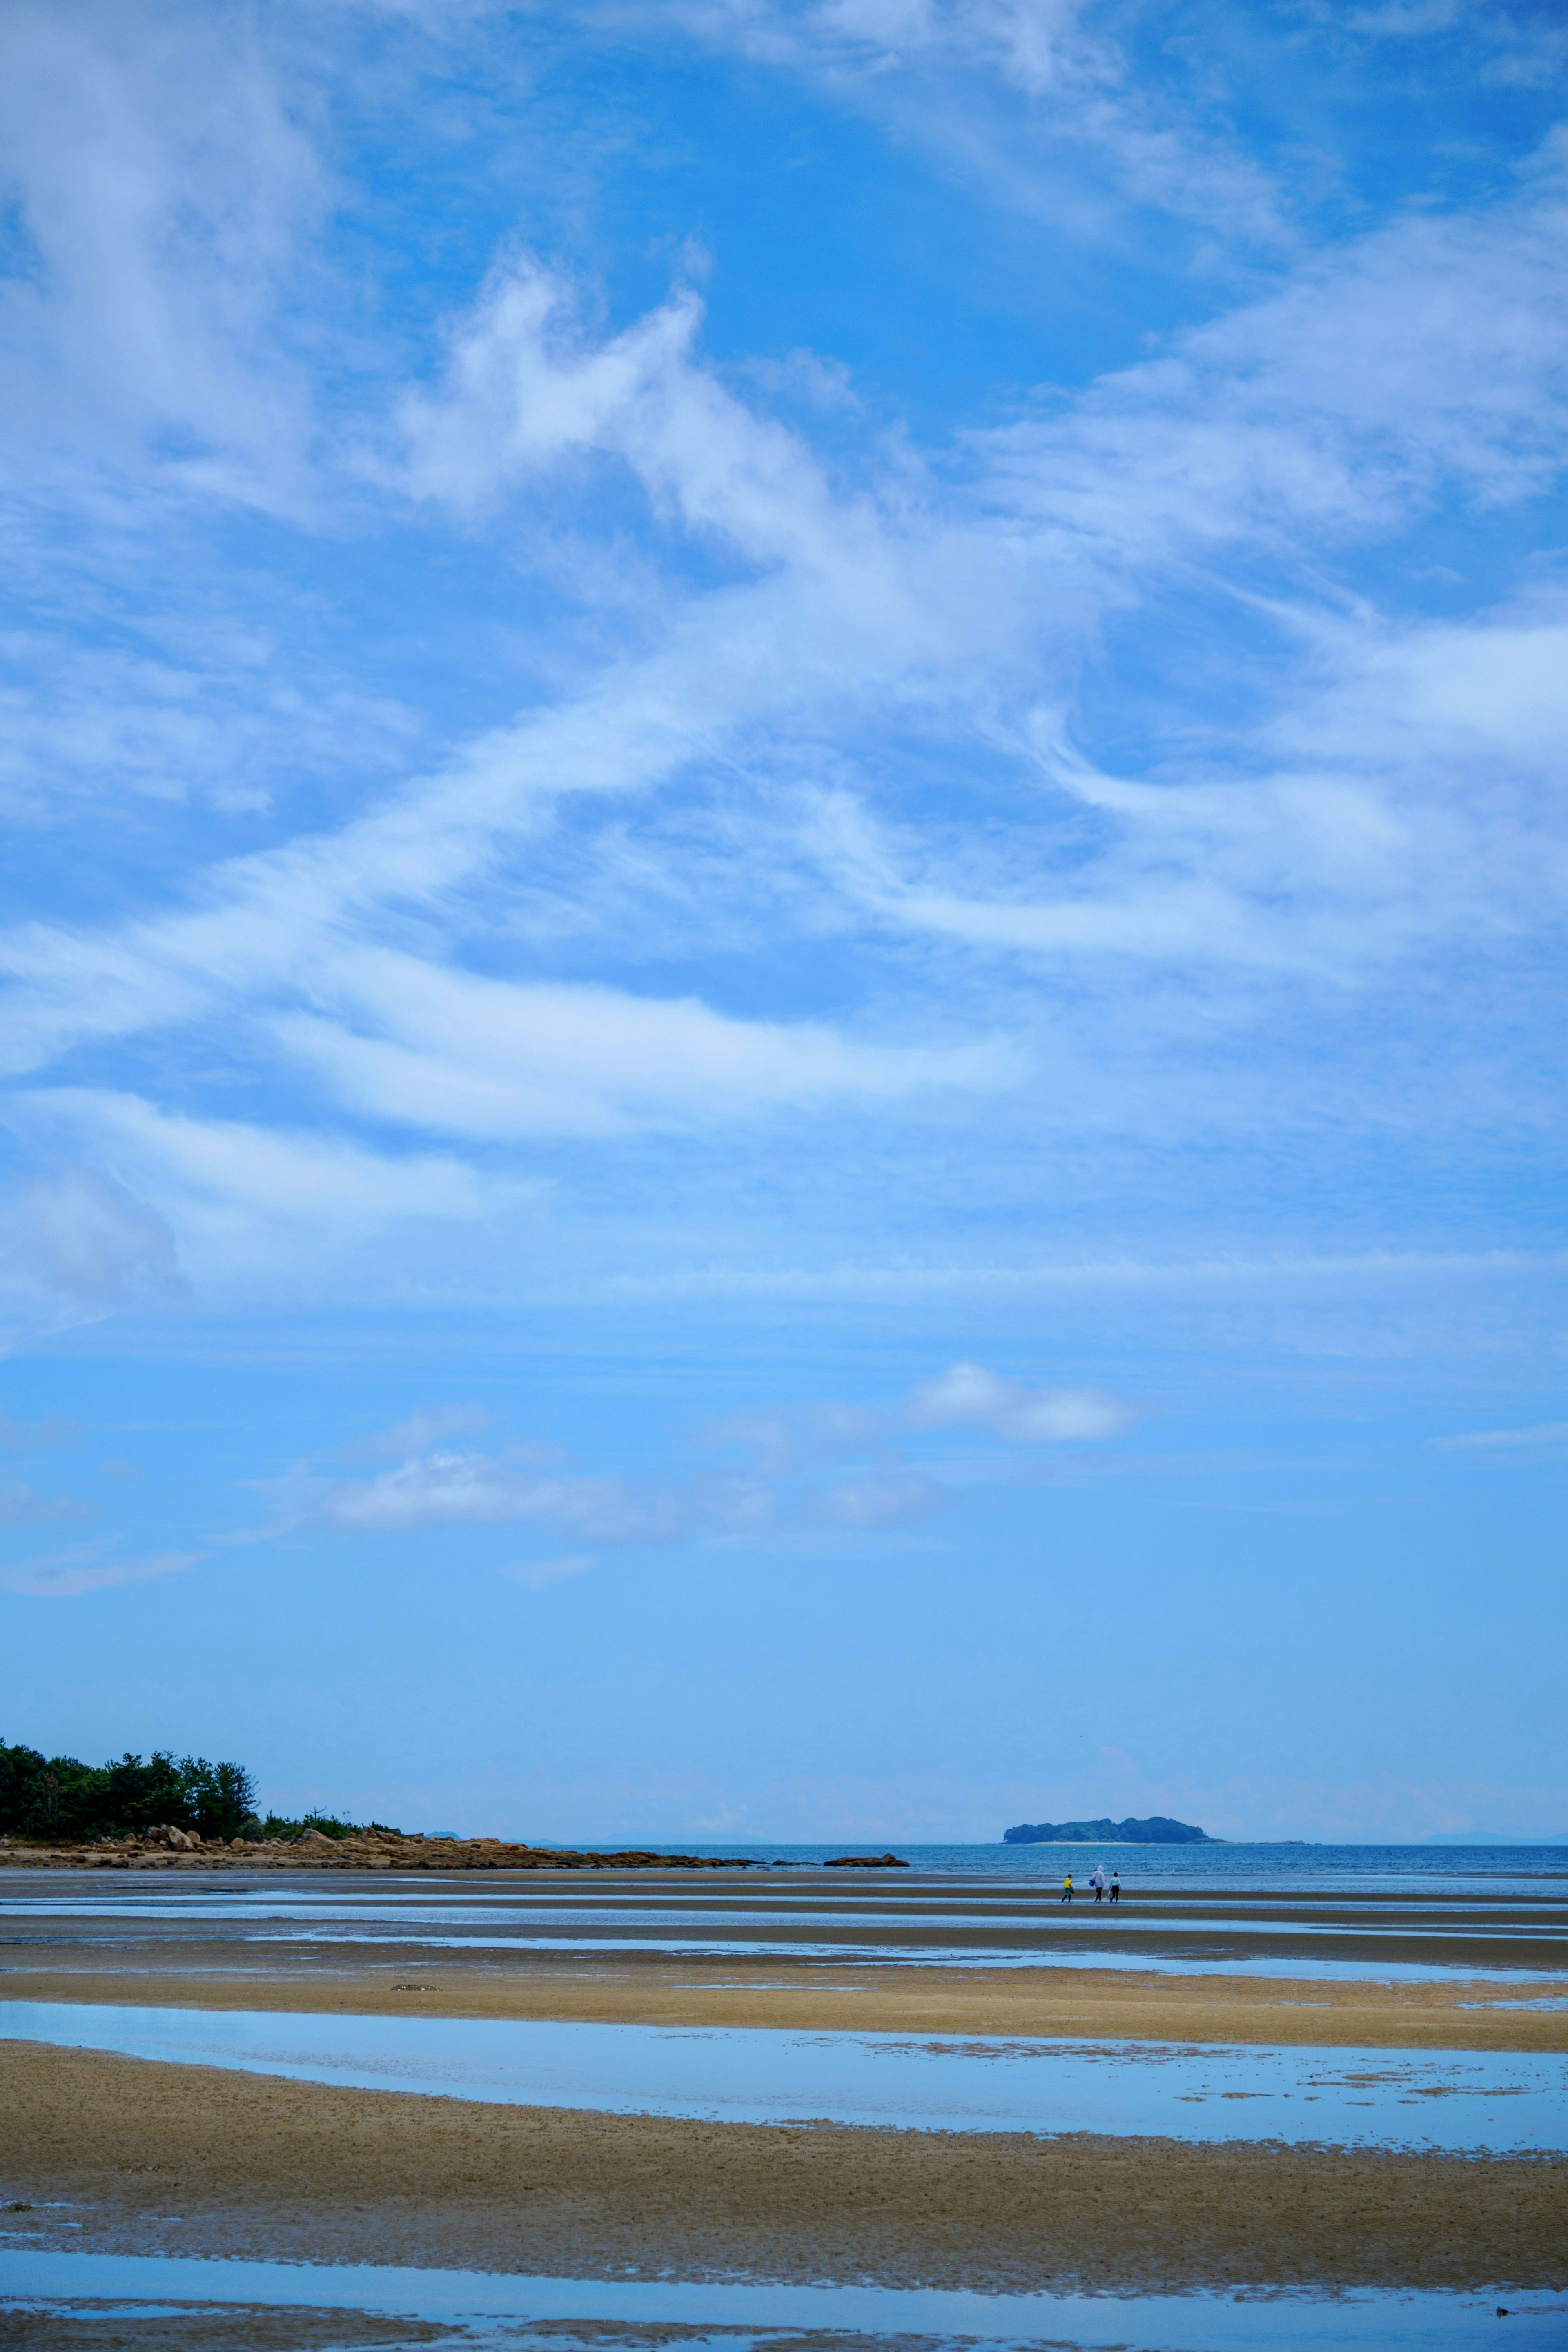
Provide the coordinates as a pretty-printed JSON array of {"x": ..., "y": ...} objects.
[{"x": 1549, "y": 1433}]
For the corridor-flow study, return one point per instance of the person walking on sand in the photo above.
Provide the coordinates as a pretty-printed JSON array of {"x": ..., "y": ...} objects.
[
  {"x": 1116, "y": 1886},
  {"x": 1067, "y": 1888},
  {"x": 1098, "y": 1882}
]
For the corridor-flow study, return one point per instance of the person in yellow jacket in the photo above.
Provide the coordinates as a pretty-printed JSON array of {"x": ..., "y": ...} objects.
[{"x": 1067, "y": 1888}]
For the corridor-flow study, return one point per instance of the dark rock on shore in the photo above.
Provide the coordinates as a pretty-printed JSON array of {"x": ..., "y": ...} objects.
[
  {"x": 866, "y": 1862},
  {"x": 165, "y": 1849}
]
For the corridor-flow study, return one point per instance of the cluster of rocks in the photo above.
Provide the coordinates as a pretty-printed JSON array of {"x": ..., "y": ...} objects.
[{"x": 167, "y": 1848}]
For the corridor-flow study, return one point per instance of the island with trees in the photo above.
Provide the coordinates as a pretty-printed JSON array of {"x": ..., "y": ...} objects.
[{"x": 1158, "y": 1830}]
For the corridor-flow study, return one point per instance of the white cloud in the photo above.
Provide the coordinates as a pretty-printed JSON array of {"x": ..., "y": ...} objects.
[
  {"x": 62, "y": 1576},
  {"x": 1031, "y": 100},
  {"x": 799, "y": 613},
  {"x": 225, "y": 724},
  {"x": 450, "y": 1489},
  {"x": 473, "y": 1057},
  {"x": 165, "y": 192},
  {"x": 235, "y": 1168},
  {"x": 527, "y": 389},
  {"x": 1429, "y": 356},
  {"x": 1243, "y": 432},
  {"x": 434, "y": 1485},
  {"x": 1494, "y": 686},
  {"x": 967, "y": 1396}
]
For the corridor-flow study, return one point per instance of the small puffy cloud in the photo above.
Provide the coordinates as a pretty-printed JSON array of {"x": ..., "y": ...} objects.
[
  {"x": 62, "y": 1575},
  {"x": 471, "y": 1489},
  {"x": 450, "y": 1489},
  {"x": 967, "y": 1396},
  {"x": 828, "y": 1465}
]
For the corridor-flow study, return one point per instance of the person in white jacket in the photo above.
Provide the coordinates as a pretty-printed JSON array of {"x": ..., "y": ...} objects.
[{"x": 1098, "y": 1882}]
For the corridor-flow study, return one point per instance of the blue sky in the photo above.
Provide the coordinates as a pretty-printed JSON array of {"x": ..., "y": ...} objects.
[{"x": 786, "y": 867}]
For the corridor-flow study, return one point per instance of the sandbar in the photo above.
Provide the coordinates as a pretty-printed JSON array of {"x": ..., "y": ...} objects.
[
  {"x": 149, "y": 2157},
  {"x": 813, "y": 1995}
]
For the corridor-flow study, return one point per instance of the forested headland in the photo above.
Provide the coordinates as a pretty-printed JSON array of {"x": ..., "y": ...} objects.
[{"x": 61, "y": 1799}]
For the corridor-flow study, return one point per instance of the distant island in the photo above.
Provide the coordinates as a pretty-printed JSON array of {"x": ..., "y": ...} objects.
[{"x": 1158, "y": 1830}]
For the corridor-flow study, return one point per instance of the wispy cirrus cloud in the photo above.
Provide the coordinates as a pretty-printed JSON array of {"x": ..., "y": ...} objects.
[
  {"x": 1549, "y": 1436},
  {"x": 165, "y": 196},
  {"x": 820, "y": 827},
  {"x": 1036, "y": 100},
  {"x": 89, "y": 1567},
  {"x": 22, "y": 1507}
]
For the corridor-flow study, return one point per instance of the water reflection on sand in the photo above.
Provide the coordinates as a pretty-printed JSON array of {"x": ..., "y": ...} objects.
[
  {"x": 1398, "y": 1933},
  {"x": 486, "y": 2310},
  {"x": 1455, "y": 2101}
]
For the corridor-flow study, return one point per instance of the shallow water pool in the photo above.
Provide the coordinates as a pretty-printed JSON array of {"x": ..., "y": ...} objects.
[
  {"x": 492, "y": 2309},
  {"x": 1458, "y": 2101}
]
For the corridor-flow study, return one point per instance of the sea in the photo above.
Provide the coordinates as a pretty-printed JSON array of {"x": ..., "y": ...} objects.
[{"x": 1219, "y": 1863}]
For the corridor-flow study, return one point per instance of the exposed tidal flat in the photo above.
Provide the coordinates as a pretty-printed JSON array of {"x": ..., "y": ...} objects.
[{"x": 1270, "y": 1985}]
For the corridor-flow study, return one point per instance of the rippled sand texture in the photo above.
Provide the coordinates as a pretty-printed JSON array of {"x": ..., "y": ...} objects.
[{"x": 183, "y": 2159}]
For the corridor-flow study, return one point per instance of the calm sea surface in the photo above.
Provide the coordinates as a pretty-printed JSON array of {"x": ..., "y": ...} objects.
[{"x": 1222, "y": 1864}]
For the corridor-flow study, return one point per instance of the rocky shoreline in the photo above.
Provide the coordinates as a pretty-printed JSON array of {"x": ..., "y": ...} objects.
[
  {"x": 183, "y": 1850},
  {"x": 176, "y": 1849}
]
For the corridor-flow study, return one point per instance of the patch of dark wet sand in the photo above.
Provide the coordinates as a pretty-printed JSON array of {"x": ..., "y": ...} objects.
[
  {"x": 96, "y": 2324},
  {"x": 815, "y": 1996},
  {"x": 189, "y": 2160}
]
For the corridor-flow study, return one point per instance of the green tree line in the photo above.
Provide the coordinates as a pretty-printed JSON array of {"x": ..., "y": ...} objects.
[{"x": 59, "y": 1798}]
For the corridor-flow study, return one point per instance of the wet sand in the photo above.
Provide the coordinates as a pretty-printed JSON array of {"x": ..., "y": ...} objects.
[
  {"x": 897, "y": 1920},
  {"x": 95, "y": 2325},
  {"x": 813, "y": 1996},
  {"x": 180, "y": 2160}
]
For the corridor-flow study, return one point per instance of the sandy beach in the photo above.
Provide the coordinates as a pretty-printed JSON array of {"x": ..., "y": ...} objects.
[
  {"x": 796, "y": 1995},
  {"x": 192, "y": 2160},
  {"x": 148, "y": 2157},
  {"x": 1190, "y": 1963}
]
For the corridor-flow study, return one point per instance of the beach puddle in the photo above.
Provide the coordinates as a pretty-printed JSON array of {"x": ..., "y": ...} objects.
[
  {"x": 1459, "y": 2102},
  {"x": 300, "y": 2305}
]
